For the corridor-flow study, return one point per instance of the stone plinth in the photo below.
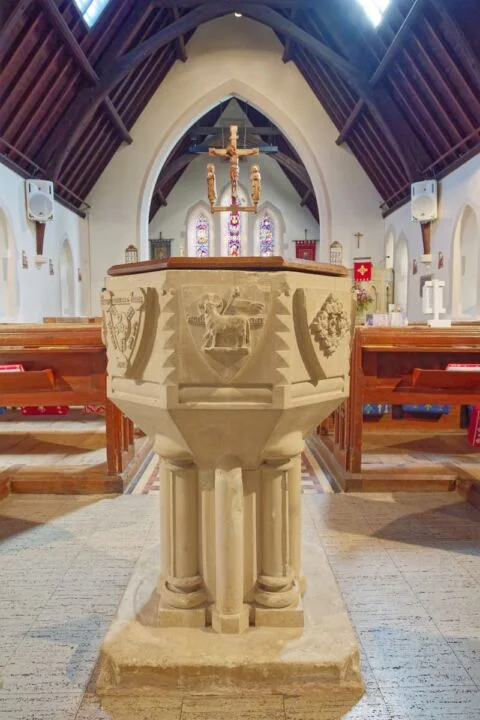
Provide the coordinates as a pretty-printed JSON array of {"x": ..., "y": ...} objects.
[{"x": 227, "y": 363}]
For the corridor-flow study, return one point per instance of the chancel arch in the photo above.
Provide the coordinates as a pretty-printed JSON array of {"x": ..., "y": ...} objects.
[
  {"x": 401, "y": 272},
  {"x": 8, "y": 304},
  {"x": 268, "y": 231},
  {"x": 200, "y": 231},
  {"x": 466, "y": 265},
  {"x": 67, "y": 281},
  {"x": 270, "y": 106}
]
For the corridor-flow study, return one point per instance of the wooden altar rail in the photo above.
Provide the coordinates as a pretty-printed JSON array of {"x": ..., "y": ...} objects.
[
  {"x": 73, "y": 360},
  {"x": 399, "y": 366}
]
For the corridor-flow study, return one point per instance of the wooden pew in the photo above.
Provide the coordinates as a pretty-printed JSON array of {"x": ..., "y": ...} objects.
[
  {"x": 65, "y": 364},
  {"x": 401, "y": 366}
]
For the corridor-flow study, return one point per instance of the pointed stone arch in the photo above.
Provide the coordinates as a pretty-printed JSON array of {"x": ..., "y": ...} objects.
[
  {"x": 8, "y": 275},
  {"x": 466, "y": 264},
  {"x": 200, "y": 105},
  {"x": 67, "y": 280},
  {"x": 401, "y": 272},
  {"x": 390, "y": 248}
]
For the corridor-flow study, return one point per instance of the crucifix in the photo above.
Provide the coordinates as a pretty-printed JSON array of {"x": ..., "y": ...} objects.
[
  {"x": 358, "y": 235},
  {"x": 233, "y": 154}
]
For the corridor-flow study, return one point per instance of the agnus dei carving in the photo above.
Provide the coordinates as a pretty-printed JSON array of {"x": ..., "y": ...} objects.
[
  {"x": 124, "y": 315},
  {"x": 330, "y": 325},
  {"x": 228, "y": 320}
]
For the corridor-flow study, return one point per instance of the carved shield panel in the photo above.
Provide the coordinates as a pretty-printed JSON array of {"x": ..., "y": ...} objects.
[
  {"x": 124, "y": 314},
  {"x": 226, "y": 324},
  {"x": 322, "y": 327}
]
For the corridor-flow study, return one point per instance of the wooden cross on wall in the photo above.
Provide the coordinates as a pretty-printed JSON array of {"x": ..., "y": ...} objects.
[{"x": 358, "y": 235}]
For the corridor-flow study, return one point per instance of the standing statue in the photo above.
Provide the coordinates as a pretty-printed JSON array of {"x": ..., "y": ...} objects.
[
  {"x": 211, "y": 184},
  {"x": 255, "y": 184}
]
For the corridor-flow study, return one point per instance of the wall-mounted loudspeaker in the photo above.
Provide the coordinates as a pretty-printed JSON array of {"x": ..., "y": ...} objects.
[
  {"x": 39, "y": 197},
  {"x": 424, "y": 201}
]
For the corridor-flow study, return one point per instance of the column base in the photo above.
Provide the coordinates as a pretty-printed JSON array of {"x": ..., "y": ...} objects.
[
  {"x": 231, "y": 624},
  {"x": 281, "y": 617},
  {"x": 173, "y": 617},
  {"x": 312, "y": 664}
]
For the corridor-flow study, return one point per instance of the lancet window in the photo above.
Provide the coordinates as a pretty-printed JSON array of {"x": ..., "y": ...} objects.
[
  {"x": 267, "y": 239},
  {"x": 202, "y": 237}
]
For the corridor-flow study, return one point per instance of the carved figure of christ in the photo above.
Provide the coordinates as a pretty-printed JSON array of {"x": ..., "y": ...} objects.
[{"x": 234, "y": 154}]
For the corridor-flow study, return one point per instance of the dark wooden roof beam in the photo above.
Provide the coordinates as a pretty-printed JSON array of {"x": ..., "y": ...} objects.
[
  {"x": 283, "y": 4},
  {"x": 59, "y": 23},
  {"x": 9, "y": 31},
  {"x": 180, "y": 41},
  {"x": 454, "y": 34},
  {"x": 395, "y": 47}
]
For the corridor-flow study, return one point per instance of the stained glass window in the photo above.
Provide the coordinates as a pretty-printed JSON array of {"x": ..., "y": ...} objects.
[
  {"x": 202, "y": 237},
  {"x": 374, "y": 9},
  {"x": 234, "y": 228},
  {"x": 267, "y": 241},
  {"x": 91, "y": 9}
]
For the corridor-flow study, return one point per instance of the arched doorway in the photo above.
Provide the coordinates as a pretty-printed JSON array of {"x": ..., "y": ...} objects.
[
  {"x": 389, "y": 247},
  {"x": 8, "y": 305},
  {"x": 67, "y": 281},
  {"x": 401, "y": 273},
  {"x": 467, "y": 264}
]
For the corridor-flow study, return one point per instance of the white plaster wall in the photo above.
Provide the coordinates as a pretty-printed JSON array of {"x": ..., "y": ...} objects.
[
  {"x": 457, "y": 191},
  {"x": 276, "y": 190},
  {"x": 34, "y": 292},
  {"x": 243, "y": 58}
]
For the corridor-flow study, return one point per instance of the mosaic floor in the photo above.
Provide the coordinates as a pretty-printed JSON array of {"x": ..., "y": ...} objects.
[{"x": 314, "y": 478}]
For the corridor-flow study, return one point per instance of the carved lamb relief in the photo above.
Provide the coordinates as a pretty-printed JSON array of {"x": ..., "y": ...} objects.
[
  {"x": 123, "y": 326},
  {"x": 228, "y": 318}
]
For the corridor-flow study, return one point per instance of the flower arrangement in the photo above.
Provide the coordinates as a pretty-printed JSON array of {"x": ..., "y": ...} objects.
[{"x": 362, "y": 297}]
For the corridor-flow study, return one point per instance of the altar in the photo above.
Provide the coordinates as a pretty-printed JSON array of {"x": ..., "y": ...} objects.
[{"x": 227, "y": 363}]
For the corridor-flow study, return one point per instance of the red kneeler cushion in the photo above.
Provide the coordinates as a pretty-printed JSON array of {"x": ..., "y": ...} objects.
[{"x": 45, "y": 410}]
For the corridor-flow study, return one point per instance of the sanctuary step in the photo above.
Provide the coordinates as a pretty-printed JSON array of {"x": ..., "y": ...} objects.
[
  {"x": 417, "y": 462},
  {"x": 64, "y": 455}
]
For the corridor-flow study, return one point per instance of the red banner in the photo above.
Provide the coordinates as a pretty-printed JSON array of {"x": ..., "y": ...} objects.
[
  {"x": 362, "y": 270},
  {"x": 306, "y": 249}
]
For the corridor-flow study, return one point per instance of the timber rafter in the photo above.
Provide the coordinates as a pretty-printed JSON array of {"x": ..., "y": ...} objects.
[{"x": 405, "y": 96}]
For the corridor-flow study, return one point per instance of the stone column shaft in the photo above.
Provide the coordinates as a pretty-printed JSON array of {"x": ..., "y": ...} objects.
[
  {"x": 182, "y": 586},
  {"x": 276, "y": 588},
  {"x": 230, "y": 614},
  {"x": 295, "y": 519}
]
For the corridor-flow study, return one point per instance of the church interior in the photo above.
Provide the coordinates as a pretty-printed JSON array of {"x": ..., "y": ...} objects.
[{"x": 239, "y": 359}]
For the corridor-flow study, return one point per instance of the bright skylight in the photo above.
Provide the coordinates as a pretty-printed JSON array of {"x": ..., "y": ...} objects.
[
  {"x": 91, "y": 9},
  {"x": 374, "y": 9}
]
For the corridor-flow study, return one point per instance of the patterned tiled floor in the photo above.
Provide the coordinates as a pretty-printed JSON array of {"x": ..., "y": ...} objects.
[{"x": 408, "y": 566}]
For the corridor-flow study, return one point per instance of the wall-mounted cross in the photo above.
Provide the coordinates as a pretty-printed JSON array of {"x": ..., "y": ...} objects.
[{"x": 358, "y": 235}]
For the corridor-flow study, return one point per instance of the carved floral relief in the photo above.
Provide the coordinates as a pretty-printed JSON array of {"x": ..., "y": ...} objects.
[{"x": 330, "y": 325}]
